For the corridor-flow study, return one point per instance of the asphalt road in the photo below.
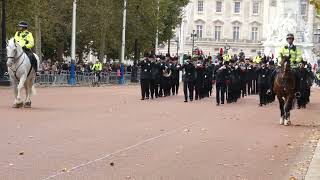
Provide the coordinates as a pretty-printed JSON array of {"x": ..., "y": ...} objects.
[{"x": 108, "y": 133}]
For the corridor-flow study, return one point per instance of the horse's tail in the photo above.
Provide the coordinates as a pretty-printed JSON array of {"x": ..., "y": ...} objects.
[{"x": 33, "y": 90}]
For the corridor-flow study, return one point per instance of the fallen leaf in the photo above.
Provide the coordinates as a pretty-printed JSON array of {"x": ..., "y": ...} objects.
[
  {"x": 112, "y": 164},
  {"x": 187, "y": 130},
  {"x": 21, "y": 153}
]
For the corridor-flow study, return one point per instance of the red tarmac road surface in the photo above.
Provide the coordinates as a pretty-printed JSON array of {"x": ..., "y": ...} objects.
[{"x": 109, "y": 134}]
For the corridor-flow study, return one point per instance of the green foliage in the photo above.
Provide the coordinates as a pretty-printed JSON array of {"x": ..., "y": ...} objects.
[{"x": 99, "y": 24}]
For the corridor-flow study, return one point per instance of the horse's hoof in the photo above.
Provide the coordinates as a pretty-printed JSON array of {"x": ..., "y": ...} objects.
[
  {"x": 281, "y": 121},
  {"x": 287, "y": 123},
  {"x": 17, "y": 105},
  {"x": 27, "y": 105}
]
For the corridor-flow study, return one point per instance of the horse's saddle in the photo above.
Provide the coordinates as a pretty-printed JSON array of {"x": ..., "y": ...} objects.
[{"x": 33, "y": 60}]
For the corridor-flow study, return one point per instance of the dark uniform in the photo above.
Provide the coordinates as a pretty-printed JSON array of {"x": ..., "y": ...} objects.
[
  {"x": 250, "y": 79},
  {"x": 188, "y": 80},
  {"x": 175, "y": 78},
  {"x": 145, "y": 78},
  {"x": 199, "y": 83},
  {"x": 220, "y": 73},
  {"x": 162, "y": 68},
  {"x": 208, "y": 77},
  {"x": 243, "y": 79},
  {"x": 155, "y": 80},
  {"x": 263, "y": 75}
]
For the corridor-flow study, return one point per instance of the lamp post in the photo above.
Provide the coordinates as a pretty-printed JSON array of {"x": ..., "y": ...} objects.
[
  {"x": 123, "y": 43},
  {"x": 193, "y": 35},
  {"x": 157, "y": 33},
  {"x": 72, "y": 80}
]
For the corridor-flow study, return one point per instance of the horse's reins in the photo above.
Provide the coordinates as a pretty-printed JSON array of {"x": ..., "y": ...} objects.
[{"x": 15, "y": 71}]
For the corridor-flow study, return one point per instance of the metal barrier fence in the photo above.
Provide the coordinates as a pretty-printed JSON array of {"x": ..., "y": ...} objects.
[{"x": 82, "y": 79}]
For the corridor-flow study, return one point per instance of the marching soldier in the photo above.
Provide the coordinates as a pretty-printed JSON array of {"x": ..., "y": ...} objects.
[
  {"x": 199, "y": 80},
  {"x": 220, "y": 73},
  {"x": 175, "y": 77},
  {"x": 188, "y": 79},
  {"x": 145, "y": 78},
  {"x": 155, "y": 78},
  {"x": 263, "y": 74}
]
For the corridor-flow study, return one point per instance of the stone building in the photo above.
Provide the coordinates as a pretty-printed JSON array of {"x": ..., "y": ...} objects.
[{"x": 243, "y": 25}]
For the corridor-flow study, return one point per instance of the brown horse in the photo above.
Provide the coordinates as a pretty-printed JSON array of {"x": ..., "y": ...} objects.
[{"x": 284, "y": 88}]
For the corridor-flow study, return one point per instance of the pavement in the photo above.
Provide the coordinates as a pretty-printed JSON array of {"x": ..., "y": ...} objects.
[
  {"x": 314, "y": 168},
  {"x": 108, "y": 133}
]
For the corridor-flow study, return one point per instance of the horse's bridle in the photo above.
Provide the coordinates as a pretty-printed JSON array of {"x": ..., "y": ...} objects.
[{"x": 15, "y": 71}]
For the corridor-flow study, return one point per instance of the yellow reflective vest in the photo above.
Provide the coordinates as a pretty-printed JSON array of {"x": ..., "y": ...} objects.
[
  {"x": 97, "y": 66},
  {"x": 294, "y": 52},
  {"x": 257, "y": 59},
  {"x": 226, "y": 57},
  {"x": 24, "y": 39}
]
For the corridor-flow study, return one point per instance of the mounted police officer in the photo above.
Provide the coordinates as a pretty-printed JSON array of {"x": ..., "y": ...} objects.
[
  {"x": 25, "y": 39},
  {"x": 294, "y": 55}
]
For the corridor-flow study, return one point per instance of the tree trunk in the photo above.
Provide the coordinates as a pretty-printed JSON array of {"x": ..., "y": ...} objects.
[
  {"x": 60, "y": 51},
  {"x": 38, "y": 35},
  {"x": 80, "y": 57},
  {"x": 136, "y": 51},
  {"x": 169, "y": 46},
  {"x": 102, "y": 43}
]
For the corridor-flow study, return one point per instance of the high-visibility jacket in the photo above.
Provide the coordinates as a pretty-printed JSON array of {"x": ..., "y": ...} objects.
[
  {"x": 97, "y": 66},
  {"x": 318, "y": 76},
  {"x": 294, "y": 53},
  {"x": 227, "y": 57},
  {"x": 24, "y": 39},
  {"x": 257, "y": 59}
]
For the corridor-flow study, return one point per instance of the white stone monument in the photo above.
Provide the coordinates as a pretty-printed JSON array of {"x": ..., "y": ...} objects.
[{"x": 288, "y": 19}]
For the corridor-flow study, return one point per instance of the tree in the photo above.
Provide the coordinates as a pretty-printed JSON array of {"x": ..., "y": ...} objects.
[{"x": 98, "y": 27}]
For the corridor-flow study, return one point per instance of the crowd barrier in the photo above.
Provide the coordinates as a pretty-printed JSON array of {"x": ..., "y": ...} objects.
[{"x": 82, "y": 78}]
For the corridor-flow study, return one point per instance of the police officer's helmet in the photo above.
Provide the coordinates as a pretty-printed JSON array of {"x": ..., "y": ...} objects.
[
  {"x": 290, "y": 36},
  {"x": 23, "y": 24}
]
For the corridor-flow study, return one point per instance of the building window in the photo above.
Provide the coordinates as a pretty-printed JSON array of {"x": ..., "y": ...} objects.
[
  {"x": 218, "y": 6},
  {"x": 273, "y": 3},
  {"x": 253, "y": 50},
  {"x": 255, "y": 8},
  {"x": 200, "y": 6},
  {"x": 236, "y": 33},
  {"x": 217, "y": 33},
  {"x": 199, "y": 31},
  {"x": 318, "y": 36},
  {"x": 254, "y": 34},
  {"x": 237, "y": 7},
  {"x": 304, "y": 7}
]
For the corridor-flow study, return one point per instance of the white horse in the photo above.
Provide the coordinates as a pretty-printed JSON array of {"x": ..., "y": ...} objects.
[{"x": 21, "y": 73}]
